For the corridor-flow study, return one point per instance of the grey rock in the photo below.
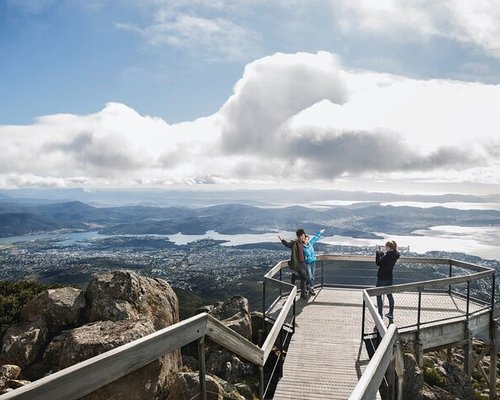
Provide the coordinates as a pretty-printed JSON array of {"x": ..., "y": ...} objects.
[
  {"x": 24, "y": 342},
  {"x": 125, "y": 295},
  {"x": 61, "y": 308}
]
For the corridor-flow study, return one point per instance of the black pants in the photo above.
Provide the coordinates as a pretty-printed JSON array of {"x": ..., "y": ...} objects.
[{"x": 304, "y": 278}]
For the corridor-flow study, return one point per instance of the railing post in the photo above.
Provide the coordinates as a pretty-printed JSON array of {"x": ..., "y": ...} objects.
[
  {"x": 281, "y": 280},
  {"x": 449, "y": 275},
  {"x": 391, "y": 376},
  {"x": 363, "y": 320},
  {"x": 322, "y": 274},
  {"x": 493, "y": 283},
  {"x": 418, "y": 343},
  {"x": 493, "y": 358},
  {"x": 261, "y": 383},
  {"x": 467, "y": 307},
  {"x": 201, "y": 368},
  {"x": 293, "y": 317},
  {"x": 264, "y": 308}
]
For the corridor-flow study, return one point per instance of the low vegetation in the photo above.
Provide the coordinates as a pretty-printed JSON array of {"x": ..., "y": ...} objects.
[{"x": 13, "y": 296}]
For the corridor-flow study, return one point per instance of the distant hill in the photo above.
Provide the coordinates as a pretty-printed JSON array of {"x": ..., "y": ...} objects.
[{"x": 359, "y": 220}]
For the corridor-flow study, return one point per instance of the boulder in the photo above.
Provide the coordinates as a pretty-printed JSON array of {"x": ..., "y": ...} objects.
[
  {"x": 24, "y": 342},
  {"x": 61, "y": 308},
  {"x": 413, "y": 378},
  {"x": 7, "y": 373},
  {"x": 123, "y": 295},
  {"x": 459, "y": 384},
  {"x": 186, "y": 386},
  {"x": 78, "y": 344},
  {"x": 235, "y": 314}
]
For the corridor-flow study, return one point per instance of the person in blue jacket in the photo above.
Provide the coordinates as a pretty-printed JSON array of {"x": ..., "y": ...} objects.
[{"x": 310, "y": 259}]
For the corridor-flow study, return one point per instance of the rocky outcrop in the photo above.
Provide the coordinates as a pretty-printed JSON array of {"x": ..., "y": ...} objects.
[
  {"x": 235, "y": 314},
  {"x": 413, "y": 378},
  {"x": 442, "y": 376},
  {"x": 24, "y": 342},
  {"x": 8, "y": 373},
  {"x": 62, "y": 327},
  {"x": 124, "y": 295},
  {"x": 60, "y": 308},
  {"x": 186, "y": 386}
]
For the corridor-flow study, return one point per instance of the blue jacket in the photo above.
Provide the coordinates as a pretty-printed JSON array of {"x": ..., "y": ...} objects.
[{"x": 309, "y": 253}]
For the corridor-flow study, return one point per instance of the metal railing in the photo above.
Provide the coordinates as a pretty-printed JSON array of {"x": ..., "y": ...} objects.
[{"x": 364, "y": 275}]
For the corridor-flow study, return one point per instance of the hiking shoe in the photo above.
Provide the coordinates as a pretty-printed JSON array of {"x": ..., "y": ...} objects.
[
  {"x": 389, "y": 315},
  {"x": 312, "y": 291}
]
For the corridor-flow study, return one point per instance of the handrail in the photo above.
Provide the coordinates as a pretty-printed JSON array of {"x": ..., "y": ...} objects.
[
  {"x": 87, "y": 376},
  {"x": 369, "y": 383},
  {"x": 388, "y": 349},
  {"x": 233, "y": 341},
  {"x": 404, "y": 287}
]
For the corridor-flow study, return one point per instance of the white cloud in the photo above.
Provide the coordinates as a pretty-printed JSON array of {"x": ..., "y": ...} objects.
[
  {"x": 292, "y": 118},
  {"x": 470, "y": 22},
  {"x": 193, "y": 27}
]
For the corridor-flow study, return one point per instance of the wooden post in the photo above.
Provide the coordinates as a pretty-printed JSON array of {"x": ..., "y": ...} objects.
[
  {"x": 391, "y": 377},
  {"x": 468, "y": 354},
  {"x": 261, "y": 383},
  {"x": 201, "y": 368},
  {"x": 493, "y": 359}
]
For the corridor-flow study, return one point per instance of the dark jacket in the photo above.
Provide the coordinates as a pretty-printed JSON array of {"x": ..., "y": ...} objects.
[
  {"x": 385, "y": 264},
  {"x": 297, "y": 256}
]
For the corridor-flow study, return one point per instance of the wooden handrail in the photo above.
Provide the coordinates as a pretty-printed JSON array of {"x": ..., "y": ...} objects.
[
  {"x": 369, "y": 383},
  {"x": 233, "y": 341},
  {"x": 87, "y": 376}
]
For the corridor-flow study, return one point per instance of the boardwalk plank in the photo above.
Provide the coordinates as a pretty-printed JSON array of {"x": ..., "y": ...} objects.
[{"x": 325, "y": 356}]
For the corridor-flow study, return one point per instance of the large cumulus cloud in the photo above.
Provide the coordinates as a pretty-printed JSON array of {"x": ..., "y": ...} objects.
[{"x": 292, "y": 117}]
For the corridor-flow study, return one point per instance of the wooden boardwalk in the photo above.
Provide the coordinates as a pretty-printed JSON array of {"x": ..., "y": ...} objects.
[{"x": 326, "y": 357}]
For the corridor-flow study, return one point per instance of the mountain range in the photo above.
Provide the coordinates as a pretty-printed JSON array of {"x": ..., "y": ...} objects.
[{"x": 358, "y": 220}]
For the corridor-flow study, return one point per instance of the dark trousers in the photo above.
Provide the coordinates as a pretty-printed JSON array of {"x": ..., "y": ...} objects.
[
  {"x": 380, "y": 303},
  {"x": 304, "y": 278}
]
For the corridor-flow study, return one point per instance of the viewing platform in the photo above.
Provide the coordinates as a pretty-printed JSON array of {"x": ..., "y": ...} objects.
[
  {"x": 332, "y": 345},
  {"x": 325, "y": 357}
]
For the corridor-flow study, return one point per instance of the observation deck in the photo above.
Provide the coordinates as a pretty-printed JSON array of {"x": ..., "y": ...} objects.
[{"x": 333, "y": 345}]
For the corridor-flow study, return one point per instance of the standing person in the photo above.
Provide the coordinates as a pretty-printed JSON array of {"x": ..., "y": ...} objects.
[
  {"x": 310, "y": 259},
  {"x": 385, "y": 264},
  {"x": 297, "y": 260}
]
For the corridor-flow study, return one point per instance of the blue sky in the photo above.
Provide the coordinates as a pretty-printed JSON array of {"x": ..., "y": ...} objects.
[{"x": 153, "y": 93}]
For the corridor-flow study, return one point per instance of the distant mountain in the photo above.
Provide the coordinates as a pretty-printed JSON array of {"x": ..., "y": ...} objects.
[
  {"x": 360, "y": 220},
  {"x": 12, "y": 223}
]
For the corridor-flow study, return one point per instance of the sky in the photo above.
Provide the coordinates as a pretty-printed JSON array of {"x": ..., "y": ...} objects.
[{"x": 321, "y": 93}]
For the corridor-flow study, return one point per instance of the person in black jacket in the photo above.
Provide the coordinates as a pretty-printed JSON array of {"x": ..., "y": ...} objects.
[
  {"x": 385, "y": 264},
  {"x": 297, "y": 260}
]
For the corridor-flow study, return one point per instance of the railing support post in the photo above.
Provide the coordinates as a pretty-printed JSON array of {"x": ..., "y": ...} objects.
[
  {"x": 493, "y": 359},
  {"x": 202, "y": 368},
  {"x": 468, "y": 354},
  {"x": 322, "y": 274},
  {"x": 449, "y": 276},
  {"x": 419, "y": 354},
  {"x": 264, "y": 310},
  {"x": 363, "y": 320},
  {"x": 391, "y": 376},
  {"x": 261, "y": 383}
]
